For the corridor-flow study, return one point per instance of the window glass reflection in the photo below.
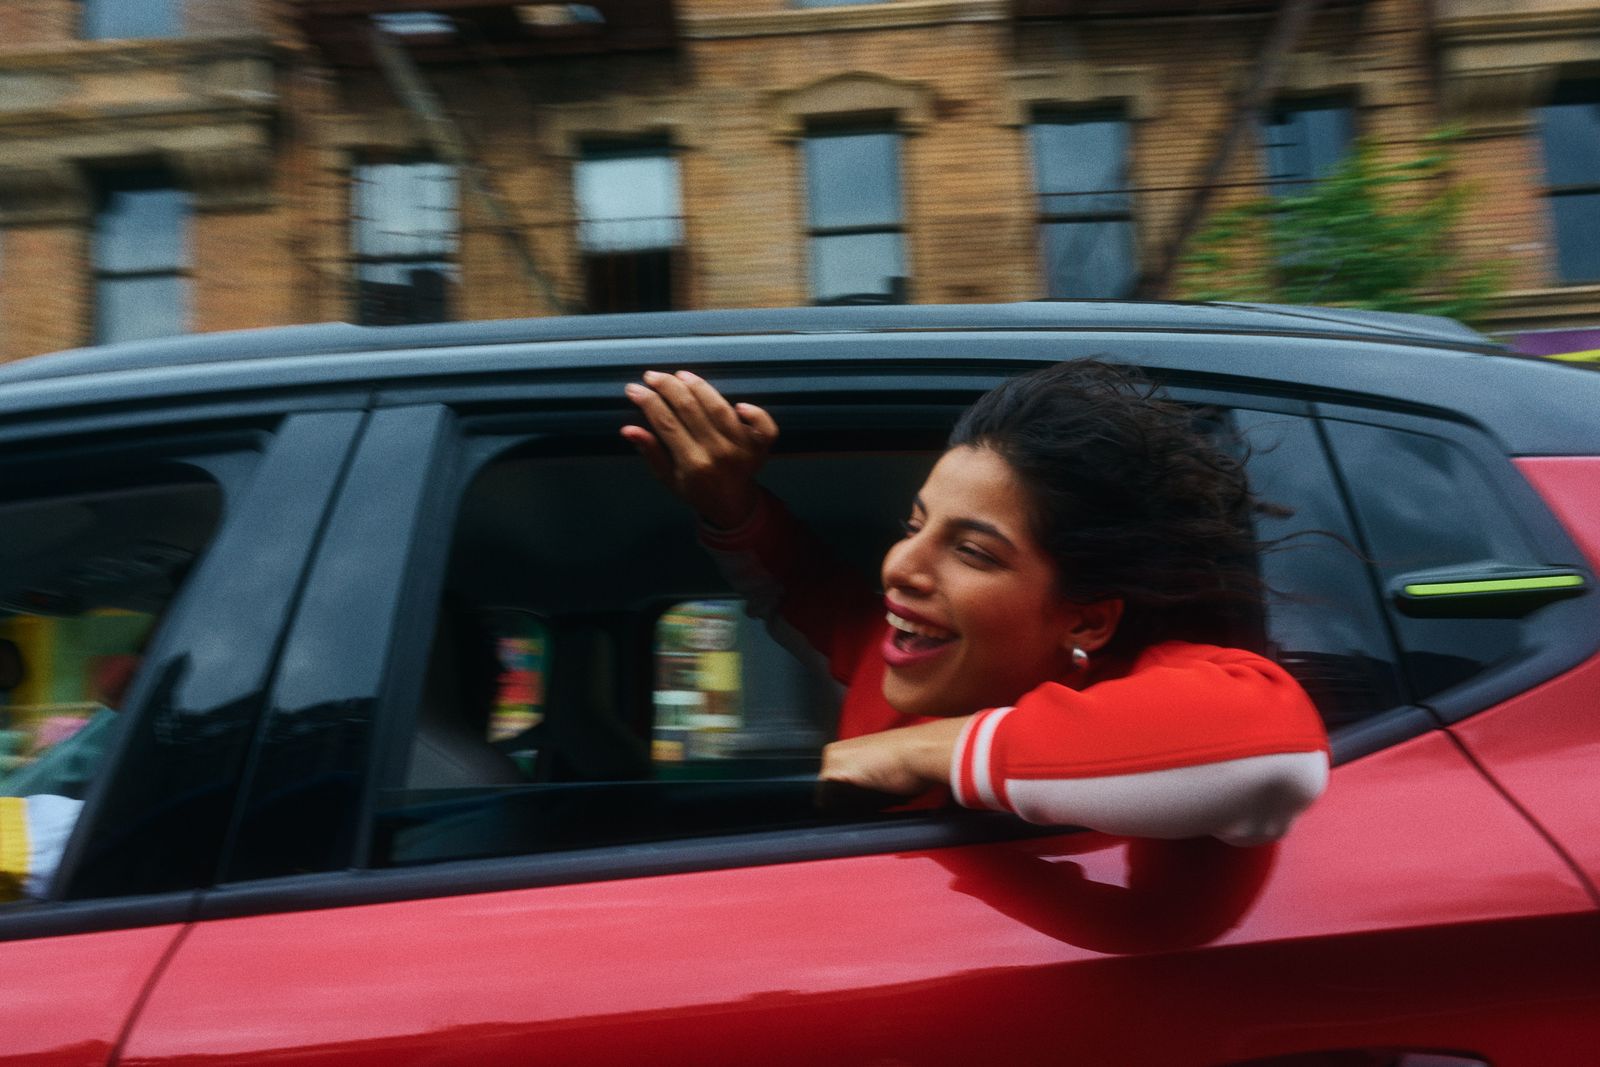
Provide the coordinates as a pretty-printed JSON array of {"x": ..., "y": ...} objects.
[
  {"x": 630, "y": 226},
  {"x": 858, "y": 266},
  {"x": 1577, "y": 226},
  {"x": 405, "y": 209},
  {"x": 1325, "y": 620},
  {"x": 1085, "y": 156},
  {"x": 853, "y": 180},
  {"x": 404, "y": 232},
  {"x": 140, "y": 229},
  {"x": 1086, "y": 234},
  {"x": 1305, "y": 141},
  {"x": 1569, "y": 131},
  {"x": 140, "y": 251},
  {"x": 853, "y": 204},
  {"x": 114, "y": 19},
  {"x": 628, "y": 203},
  {"x": 1089, "y": 260},
  {"x": 1423, "y": 503},
  {"x": 139, "y": 308}
]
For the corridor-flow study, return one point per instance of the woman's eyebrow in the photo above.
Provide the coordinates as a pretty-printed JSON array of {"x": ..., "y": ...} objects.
[
  {"x": 979, "y": 526},
  {"x": 975, "y": 525}
]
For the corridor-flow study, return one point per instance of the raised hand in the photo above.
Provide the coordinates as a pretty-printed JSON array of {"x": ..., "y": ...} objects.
[{"x": 704, "y": 449}]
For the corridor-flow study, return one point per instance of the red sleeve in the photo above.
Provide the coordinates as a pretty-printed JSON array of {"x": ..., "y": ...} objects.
[
  {"x": 1195, "y": 740},
  {"x": 795, "y": 582}
]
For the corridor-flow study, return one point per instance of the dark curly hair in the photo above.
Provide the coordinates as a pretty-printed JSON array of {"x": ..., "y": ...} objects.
[{"x": 1131, "y": 500}]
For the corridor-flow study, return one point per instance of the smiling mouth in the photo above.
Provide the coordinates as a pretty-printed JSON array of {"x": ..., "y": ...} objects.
[{"x": 917, "y": 637}]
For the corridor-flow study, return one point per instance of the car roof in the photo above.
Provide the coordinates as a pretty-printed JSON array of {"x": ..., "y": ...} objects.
[
  {"x": 1416, "y": 360},
  {"x": 340, "y": 338}
]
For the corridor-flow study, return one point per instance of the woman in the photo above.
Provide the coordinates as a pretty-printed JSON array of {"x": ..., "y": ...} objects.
[{"x": 1049, "y": 639}]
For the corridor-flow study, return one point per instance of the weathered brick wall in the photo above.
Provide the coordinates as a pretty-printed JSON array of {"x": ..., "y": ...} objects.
[
  {"x": 970, "y": 212},
  {"x": 44, "y": 289},
  {"x": 38, "y": 22},
  {"x": 1507, "y": 221}
]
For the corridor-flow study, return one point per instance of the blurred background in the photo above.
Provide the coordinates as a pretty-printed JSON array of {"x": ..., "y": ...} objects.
[{"x": 178, "y": 166}]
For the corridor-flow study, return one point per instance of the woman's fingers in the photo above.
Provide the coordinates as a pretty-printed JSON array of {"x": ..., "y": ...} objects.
[
  {"x": 671, "y": 433},
  {"x": 759, "y": 422},
  {"x": 686, "y": 406},
  {"x": 718, "y": 412},
  {"x": 648, "y": 446}
]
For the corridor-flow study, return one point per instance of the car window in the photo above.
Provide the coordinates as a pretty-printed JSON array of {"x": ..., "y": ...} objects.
[
  {"x": 1325, "y": 620},
  {"x": 84, "y": 579},
  {"x": 645, "y": 714},
  {"x": 730, "y": 700},
  {"x": 1426, "y": 506}
]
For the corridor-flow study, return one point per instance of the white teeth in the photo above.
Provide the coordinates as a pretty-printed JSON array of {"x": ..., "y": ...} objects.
[{"x": 917, "y": 628}]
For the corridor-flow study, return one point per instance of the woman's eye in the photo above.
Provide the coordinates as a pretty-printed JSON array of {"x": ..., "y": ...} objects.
[
  {"x": 973, "y": 554},
  {"x": 909, "y": 526}
]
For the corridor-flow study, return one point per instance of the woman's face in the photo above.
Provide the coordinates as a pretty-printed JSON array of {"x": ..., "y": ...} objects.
[{"x": 975, "y": 615}]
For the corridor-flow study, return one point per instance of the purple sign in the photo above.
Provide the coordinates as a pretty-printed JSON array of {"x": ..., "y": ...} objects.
[{"x": 1556, "y": 342}]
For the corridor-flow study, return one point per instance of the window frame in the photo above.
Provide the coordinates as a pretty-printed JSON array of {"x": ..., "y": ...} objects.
[
  {"x": 108, "y": 184},
  {"x": 900, "y": 285},
  {"x": 258, "y": 463},
  {"x": 169, "y": 13},
  {"x": 1556, "y": 628},
  {"x": 1568, "y": 94},
  {"x": 478, "y": 421},
  {"x": 675, "y": 254},
  {"x": 360, "y": 261},
  {"x": 1300, "y": 105},
  {"x": 1110, "y": 216}
]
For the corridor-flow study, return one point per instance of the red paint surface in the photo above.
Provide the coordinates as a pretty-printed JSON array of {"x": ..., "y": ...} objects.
[
  {"x": 1571, "y": 486},
  {"x": 1413, "y": 907},
  {"x": 64, "y": 1000},
  {"x": 1543, "y": 746}
]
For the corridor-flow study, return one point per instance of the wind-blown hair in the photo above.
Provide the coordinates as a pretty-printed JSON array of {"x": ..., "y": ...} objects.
[{"x": 1130, "y": 499}]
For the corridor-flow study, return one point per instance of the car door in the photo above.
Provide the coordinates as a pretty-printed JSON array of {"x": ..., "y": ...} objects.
[
  {"x": 1413, "y": 911},
  {"x": 144, "y": 544}
]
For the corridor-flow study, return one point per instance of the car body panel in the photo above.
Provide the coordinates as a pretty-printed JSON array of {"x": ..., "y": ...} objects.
[
  {"x": 1543, "y": 745},
  {"x": 53, "y": 1014},
  {"x": 1438, "y": 898},
  {"x": 888, "y": 959}
]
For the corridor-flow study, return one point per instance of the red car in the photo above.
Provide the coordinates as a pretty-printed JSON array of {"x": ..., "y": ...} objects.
[{"x": 446, "y": 744}]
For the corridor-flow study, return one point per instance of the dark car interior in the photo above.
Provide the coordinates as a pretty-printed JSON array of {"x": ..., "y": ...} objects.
[{"x": 589, "y": 552}]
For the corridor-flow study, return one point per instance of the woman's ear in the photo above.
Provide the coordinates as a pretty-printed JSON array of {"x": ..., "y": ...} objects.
[{"x": 1095, "y": 624}]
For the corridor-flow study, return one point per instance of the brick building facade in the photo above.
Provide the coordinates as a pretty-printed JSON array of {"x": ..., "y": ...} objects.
[{"x": 195, "y": 165}]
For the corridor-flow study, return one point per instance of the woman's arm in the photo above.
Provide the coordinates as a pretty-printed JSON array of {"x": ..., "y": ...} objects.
[
  {"x": 1195, "y": 741},
  {"x": 708, "y": 452}
]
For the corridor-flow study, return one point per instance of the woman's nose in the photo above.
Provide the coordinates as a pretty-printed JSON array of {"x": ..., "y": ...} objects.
[{"x": 905, "y": 566}]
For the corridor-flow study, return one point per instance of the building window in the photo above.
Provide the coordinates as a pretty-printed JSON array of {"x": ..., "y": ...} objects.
[
  {"x": 854, "y": 214},
  {"x": 1569, "y": 128},
  {"x": 1304, "y": 140},
  {"x": 114, "y": 19},
  {"x": 404, "y": 231},
  {"x": 630, "y": 227},
  {"x": 1080, "y": 169},
  {"x": 141, "y": 257}
]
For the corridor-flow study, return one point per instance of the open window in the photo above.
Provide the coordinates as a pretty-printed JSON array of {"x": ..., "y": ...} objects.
[{"x": 593, "y": 680}]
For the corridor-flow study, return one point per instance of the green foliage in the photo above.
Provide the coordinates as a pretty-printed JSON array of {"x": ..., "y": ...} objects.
[{"x": 1373, "y": 234}]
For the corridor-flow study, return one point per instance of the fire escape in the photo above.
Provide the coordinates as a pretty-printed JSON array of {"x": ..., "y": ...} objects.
[{"x": 402, "y": 39}]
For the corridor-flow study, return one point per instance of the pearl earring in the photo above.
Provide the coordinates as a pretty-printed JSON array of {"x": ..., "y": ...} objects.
[{"x": 1080, "y": 659}]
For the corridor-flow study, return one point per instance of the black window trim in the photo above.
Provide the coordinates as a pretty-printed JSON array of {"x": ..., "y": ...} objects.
[{"x": 1542, "y": 531}]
